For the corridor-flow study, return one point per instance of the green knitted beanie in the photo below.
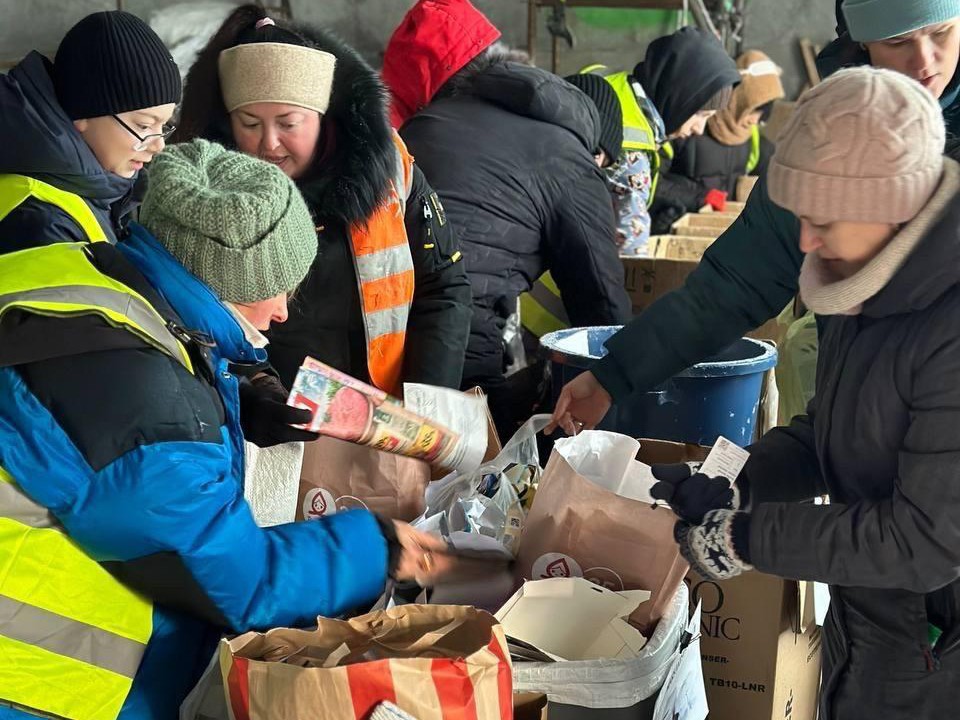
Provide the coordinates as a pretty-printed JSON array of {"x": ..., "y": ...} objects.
[{"x": 236, "y": 222}]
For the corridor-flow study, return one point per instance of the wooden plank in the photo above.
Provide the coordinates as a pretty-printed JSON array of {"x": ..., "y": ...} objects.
[{"x": 810, "y": 60}]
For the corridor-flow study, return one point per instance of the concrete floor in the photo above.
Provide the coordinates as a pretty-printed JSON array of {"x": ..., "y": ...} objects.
[{"x": 773, "y": 26}]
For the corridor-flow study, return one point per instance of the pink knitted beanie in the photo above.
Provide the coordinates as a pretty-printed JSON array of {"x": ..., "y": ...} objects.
[{"x": 865, "y": 145}]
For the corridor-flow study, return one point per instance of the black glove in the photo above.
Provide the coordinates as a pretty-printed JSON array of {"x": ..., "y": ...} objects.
[
  {"x": 266, "y": 418},
  {"x": 692, "y": 495}
]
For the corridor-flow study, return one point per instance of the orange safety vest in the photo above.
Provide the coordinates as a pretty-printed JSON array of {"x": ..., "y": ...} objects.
[{"x": 384, "y": 264}]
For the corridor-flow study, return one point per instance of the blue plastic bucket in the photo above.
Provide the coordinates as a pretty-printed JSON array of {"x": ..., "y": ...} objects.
[{"x": 713, "y": 398}]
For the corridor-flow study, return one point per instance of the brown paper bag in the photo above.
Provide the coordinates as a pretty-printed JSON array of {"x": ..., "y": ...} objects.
[
  {"x": 339, "y": 475},
  {"x": 577, "y": 528},
  {"x": 432, "y": 661}
]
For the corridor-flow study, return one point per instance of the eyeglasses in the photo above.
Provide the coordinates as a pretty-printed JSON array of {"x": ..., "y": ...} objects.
[{"x": 146, "y": 140}]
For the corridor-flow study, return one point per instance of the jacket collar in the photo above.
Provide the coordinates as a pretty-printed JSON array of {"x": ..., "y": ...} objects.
[
  {"x": 47, "y": 146},
  {"x": 193, "y": 300},
  {"x": 915, "y": 268}
]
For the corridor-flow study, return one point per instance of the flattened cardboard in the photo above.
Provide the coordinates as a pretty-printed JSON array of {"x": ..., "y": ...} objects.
[{"x": 573, "y": 619}]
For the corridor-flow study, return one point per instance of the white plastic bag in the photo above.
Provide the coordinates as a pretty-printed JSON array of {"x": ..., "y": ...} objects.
[
  {"x": 489, "y": 501},
  {"x": 611, "y": 683}
]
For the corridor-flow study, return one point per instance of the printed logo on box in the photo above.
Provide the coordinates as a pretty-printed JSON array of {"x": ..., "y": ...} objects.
[
  {"x": 556, "y": 565},
  {"x": 318, "y": 503}
]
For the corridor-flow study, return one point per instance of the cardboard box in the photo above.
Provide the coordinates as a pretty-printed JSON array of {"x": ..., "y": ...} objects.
[
  {"x": 680, "y": 247},
  {"x": 529, "y": 706},
  {"x": 695, "y": 223},
  {"x": 735, "y": 206},
  {"x": 759, "y": 641},
  {"x": 648, "y": 278},
  {"x": 745, "y": 185},
  {"x": 573, "y": 619},
  {"x": 770, "y": 330},
  {"x": 761, "y": 657}
]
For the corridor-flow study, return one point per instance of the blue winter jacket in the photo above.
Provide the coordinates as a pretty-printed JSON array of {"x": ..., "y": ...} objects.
[{"x": 169, "y": 516}]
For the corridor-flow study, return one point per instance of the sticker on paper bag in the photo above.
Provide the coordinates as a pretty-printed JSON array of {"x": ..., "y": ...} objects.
[
  {"x": 318, "y": 503},
  {"x": 556, "y": 565}
]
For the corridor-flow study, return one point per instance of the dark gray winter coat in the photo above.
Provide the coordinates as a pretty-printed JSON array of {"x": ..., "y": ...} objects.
[
  {"x": 511, "y": 156},
  {"x": 883, "y": 439}
]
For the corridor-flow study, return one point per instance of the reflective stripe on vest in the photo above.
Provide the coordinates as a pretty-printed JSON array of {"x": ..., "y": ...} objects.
[
  {"x": 754, "y": 158},
  {"x": 385, "y": 272},
  {"x": 71, "y": 636},
  {"x": 638, "y": 133},
  {"x": 541, "y": 309},
  {"x": 60, "y": 280}
]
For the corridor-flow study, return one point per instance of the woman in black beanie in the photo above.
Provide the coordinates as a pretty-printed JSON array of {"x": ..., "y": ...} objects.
[{"x": 86, "y": 123}]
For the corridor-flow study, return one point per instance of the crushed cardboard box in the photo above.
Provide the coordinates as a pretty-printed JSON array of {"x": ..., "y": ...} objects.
[{"x": 573, "y": 619}]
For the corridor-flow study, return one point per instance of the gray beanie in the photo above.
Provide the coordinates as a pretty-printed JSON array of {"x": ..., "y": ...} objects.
[
  {"x": 872, "y": 20},
  {"x": 236, "y": 222}
]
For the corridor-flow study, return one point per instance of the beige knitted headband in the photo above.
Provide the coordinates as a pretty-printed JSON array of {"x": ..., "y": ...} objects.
[{"x": 276, "y": 73}]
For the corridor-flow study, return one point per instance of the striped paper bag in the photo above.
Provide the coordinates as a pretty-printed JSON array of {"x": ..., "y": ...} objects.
[{"x": 435, "y": 662}]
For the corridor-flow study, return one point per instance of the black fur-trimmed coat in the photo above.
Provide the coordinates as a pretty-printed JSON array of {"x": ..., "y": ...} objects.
[{"x": 351, "y": 179}]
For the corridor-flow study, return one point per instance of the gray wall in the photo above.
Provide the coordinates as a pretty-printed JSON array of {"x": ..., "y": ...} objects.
[{"x": 615, "y": 38}]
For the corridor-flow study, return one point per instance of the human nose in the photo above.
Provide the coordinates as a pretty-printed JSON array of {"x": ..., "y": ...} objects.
[
  {"x": 269, "y": 139},
  {"x": 924, "y": 56},
  {"x": 809, "y": 239}
]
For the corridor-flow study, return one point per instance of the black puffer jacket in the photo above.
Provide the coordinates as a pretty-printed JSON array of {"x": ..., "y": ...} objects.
[
  {"x": 41, "y": 142},
  {"x": 701, "y": 164},
  {"x": 882, "y": 440},
  {"x": 352, "y": 180},
  {"x": 511, "y": 157}
]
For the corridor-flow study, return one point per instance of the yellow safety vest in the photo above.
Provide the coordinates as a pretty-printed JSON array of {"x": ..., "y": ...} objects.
[
  {"x": 541, "y": 309},
  {"x": 754, "y": 159},
  {"x": 71, "y": 636}
]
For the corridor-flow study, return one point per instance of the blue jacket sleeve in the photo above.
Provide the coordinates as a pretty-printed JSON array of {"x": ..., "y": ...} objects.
[
  {"x": 180, "y": 500},
  {"x": 171, "y": 498},
  {"x": 746, "y": 277}
]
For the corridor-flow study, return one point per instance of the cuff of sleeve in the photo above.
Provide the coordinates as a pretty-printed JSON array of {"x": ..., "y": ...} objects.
[
  {"x": 741, "y": 490},
  {"x": 389, "y": 531},
  {"x": 608, "y": 373},
  {"x": 740, "y": 536}
]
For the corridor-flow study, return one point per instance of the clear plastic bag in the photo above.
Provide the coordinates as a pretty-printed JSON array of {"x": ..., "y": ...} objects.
[{"x": 489, "y": 501}]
